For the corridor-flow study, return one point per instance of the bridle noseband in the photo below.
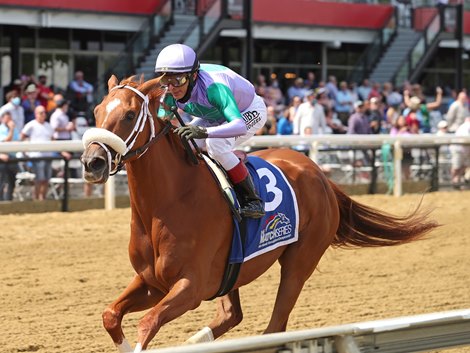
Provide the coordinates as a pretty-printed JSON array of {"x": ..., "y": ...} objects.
[{"x": 123, "y": 148}]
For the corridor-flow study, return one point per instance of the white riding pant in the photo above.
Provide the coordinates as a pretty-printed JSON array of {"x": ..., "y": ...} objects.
[{"x": 221, "y": 149}]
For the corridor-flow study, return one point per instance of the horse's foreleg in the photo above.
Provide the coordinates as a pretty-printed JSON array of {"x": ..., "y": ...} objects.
[
  {"x": 136, "y": 297},
  {"x": 229, "y": 314},
  {"x": 182, "y": 297}
]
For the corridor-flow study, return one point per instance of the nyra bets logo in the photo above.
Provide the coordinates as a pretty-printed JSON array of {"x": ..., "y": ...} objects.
[{"x": 277, "y": 228}]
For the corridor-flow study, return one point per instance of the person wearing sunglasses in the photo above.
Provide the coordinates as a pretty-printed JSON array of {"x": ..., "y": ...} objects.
[{"x": 227, "y": 112}]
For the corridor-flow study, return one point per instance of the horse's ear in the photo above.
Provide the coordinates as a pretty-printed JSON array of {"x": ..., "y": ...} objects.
[
  {"x": 112, "y": 82},
  {"x": 148, "y": 86}
]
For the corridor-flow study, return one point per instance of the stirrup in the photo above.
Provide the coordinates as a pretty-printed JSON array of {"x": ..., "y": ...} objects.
[{"x": 253, "y": 211}]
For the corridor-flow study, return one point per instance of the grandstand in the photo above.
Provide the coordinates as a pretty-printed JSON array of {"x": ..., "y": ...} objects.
[{"x": 330, "y": 37}]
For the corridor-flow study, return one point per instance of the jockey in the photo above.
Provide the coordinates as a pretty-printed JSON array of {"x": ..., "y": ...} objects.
[{"x": 227, "y": 112}]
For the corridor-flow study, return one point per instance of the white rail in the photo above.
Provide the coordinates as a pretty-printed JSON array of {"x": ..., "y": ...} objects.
[
  {"x": 403, "y": 334},
  {"x": 314, "y": 143},
  {"x": 273, "y": 141}
]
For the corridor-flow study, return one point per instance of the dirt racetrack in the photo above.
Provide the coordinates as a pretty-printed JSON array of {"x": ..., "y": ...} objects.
[{"x": 59, "y": 271}]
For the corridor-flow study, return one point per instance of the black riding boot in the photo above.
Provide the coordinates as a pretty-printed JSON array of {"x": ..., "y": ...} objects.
[{"x": 251, "y": 204}]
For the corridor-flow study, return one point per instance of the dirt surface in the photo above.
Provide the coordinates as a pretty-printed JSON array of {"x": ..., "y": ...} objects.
[{"x": 59, "y": 271}]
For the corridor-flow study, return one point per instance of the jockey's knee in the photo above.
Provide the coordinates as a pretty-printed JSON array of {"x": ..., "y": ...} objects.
[
  {"x": 228, "y": 160},
  {"x": 219, "y": 145}
]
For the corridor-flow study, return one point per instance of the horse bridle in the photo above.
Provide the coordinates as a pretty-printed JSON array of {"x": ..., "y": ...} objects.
[{"x": 123, "y": 148}]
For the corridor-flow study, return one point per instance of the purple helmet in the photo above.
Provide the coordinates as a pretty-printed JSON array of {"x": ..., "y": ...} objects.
[{"x": 176, "y": 58}]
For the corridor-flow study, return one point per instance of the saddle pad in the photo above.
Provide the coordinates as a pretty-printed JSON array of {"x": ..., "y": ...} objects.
[{"x": 280, "y": 224}]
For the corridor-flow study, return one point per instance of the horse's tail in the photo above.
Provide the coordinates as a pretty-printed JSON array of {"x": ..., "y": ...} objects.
[{"x": 364, "y": 226}]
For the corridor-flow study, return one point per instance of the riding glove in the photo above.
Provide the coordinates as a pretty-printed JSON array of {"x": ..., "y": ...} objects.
[{"x": 192, "y": 132}]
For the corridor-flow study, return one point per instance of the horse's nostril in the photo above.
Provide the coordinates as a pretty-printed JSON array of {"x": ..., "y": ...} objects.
[{"x": 96, "y": 164}]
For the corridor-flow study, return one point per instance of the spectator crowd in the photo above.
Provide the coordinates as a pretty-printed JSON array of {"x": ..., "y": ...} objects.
[
  {"x": 36, "y": 111},
  {"x": 311, "y": 107}
]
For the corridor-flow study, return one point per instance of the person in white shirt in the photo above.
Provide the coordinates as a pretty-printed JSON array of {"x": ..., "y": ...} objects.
[
  {"x": 13, "y": 106},
  {"x": 60, "y": 121},
  {"x": 39, "y": 130},
  {"x": 457, "y": 112},
  {"x": 310, "y": 117},
  {"x": 460, "y": 159}
]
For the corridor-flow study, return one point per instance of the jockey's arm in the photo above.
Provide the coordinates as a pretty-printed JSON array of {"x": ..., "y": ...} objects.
[
  {"x": 234, "y": 128},
  {"x": 222, "y": 98}
]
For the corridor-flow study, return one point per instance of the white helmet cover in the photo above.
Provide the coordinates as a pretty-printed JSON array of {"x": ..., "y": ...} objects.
[{"x": 176, "y": 58}]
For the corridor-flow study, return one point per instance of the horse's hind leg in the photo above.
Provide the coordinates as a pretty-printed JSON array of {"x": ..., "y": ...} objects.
[
  {"x": 287, "y": 295},
  {"x": 136, "y": 297},
  {"x": 229, "y": 314},
  {"x": 297, "y": 265}
]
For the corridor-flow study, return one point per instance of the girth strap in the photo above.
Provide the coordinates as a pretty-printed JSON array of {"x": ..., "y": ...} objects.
[{"x": 232, "y": 270}]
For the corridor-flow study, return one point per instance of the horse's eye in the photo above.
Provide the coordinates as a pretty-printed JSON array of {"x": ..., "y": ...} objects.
[{"x": 130, "y": 115}]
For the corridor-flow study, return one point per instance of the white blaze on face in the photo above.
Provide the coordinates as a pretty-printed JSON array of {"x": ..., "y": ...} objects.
[{"x": 110, "y": 107}]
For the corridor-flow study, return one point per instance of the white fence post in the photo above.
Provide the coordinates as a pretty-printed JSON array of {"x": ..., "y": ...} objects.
[
  {"x": 397, "y": 159},
  {"x": 313, "y": 154}
]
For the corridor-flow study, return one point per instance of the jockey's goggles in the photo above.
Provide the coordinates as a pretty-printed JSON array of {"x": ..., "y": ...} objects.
[{"x": 174, "y": 80}]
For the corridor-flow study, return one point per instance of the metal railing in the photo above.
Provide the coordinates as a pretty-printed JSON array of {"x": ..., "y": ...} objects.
[
  {"x": 417, "y": 333},
  {"x": 127, "y": 60},
  {"x": 208, "y": 13},
  {"x": 313, "y": 145},
  {"x": 372, "y": 54},
  {"x": 66, "y": 174},
  {"x": 445, "y": 21}
]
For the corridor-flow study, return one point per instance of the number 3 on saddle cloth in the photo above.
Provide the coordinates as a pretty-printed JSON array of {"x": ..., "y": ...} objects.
[{"x": 278, "y": 227}]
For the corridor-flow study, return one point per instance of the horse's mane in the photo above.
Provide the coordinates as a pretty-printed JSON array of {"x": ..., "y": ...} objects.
[
  {"x": 131, "y": 81},
  {"x": 135, "y": 82}
]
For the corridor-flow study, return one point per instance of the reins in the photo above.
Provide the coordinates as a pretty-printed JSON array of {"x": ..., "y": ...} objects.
[{"x": 141, "y": 150}]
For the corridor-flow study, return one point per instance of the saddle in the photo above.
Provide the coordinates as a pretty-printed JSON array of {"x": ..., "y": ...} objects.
[
  {"x": 253, "y": 237},
  {"x": 225, "y": 185}
]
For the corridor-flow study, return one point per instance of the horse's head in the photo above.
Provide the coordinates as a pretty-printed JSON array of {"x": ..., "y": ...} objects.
[{"x": 125, "y": 127}]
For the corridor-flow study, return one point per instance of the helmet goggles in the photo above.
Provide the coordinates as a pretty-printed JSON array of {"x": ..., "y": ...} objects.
[{"x": 176, "y": 80}]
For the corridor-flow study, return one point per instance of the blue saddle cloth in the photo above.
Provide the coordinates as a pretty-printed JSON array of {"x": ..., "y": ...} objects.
[{"x": 280, "y": 224}]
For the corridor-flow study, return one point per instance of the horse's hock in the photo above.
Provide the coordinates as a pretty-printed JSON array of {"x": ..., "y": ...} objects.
[{"x": 61, "y": 269}]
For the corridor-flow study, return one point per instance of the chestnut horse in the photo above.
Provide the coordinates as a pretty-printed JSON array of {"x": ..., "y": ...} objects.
[{"x": 181, "y": 225}]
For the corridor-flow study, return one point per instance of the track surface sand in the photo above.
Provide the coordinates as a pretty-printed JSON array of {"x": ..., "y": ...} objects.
[{"x": 59, "y": 271}]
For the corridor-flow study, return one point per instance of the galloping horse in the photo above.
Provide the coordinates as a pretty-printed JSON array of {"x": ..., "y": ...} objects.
[{"x": 181, "y": 226}]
